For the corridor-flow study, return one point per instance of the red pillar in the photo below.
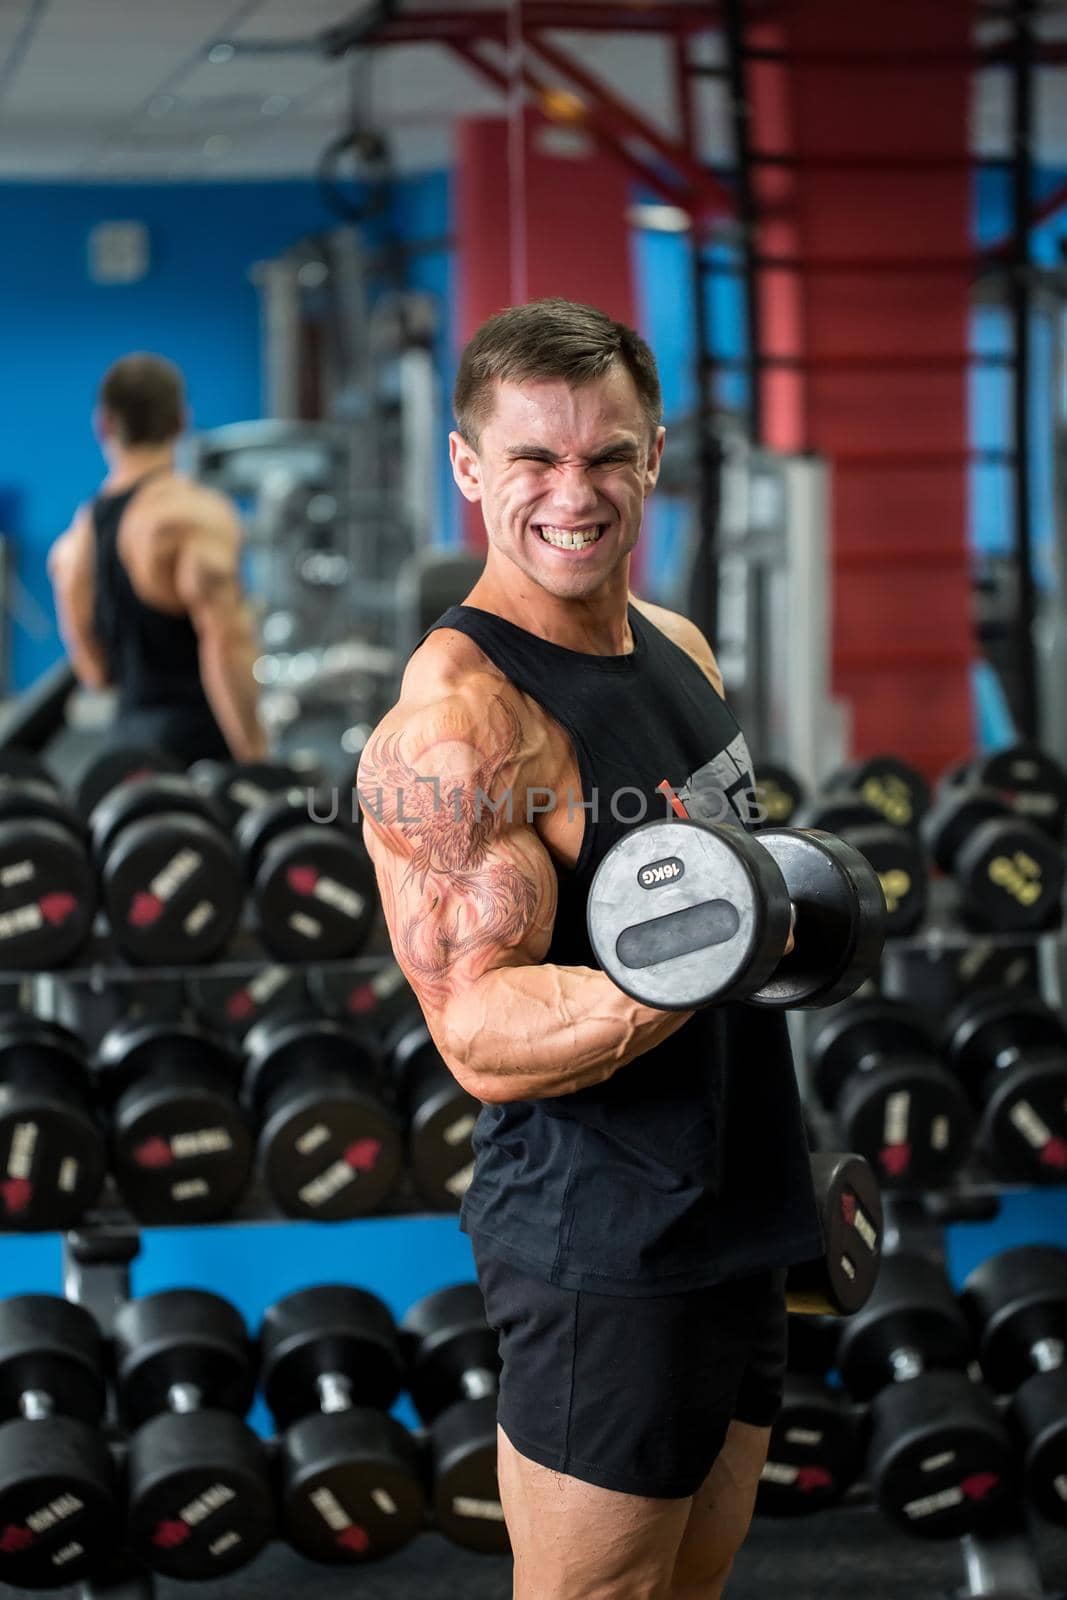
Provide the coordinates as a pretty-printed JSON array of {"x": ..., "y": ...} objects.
[
  {"x": 572, "y": 236},
  {"x": 881, "y": 389}
]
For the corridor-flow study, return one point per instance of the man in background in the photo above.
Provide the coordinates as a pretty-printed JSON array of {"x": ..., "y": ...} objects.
[{"x": 147, "y": 583}]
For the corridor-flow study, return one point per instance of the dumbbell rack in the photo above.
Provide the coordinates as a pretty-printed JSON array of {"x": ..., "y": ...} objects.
[
  {"x": 1000, "y": 1565},
  {"x": 97, "y": 1255}
]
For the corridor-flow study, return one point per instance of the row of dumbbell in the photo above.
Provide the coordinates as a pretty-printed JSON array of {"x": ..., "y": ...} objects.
[
  {"x": 996, "y": 827},
  {"x": 918, "y": 1098},
  {"x": 171, "y": 1474},
  {"x": 331, "y": 1114},
  {"x": 941, "y": 1455},
  {"x": 171, "y": 860}
]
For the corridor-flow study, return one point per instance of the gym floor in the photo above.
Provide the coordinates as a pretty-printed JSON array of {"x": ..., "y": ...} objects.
[{"x": 838, "y": 1555}]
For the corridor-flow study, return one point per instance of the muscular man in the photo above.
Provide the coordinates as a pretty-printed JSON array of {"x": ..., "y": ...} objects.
[
  {"x": 641, "y": 1178},
  {"x": 146, "y": 582}
]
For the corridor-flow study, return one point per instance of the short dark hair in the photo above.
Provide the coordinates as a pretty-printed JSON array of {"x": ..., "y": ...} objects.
[
  {"x": 145, "y": 395},
  {"x": 549, "y": 339}
]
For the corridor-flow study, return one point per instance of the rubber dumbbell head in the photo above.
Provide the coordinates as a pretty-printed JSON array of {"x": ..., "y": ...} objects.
[
  {"x": 199, "y": 1497},
  {"x": 238, "y": 787},
  {"x": 1017, "y": 1304},
  {"x": 115, "y": 766},
  {"x": 52, "y": 1154},
  {"x": 779, "y": 794},
  {"x": 47, "y": 887},
  {"x": 815, "y": 1453},
  {"x": 230, "y": 1002},
  {"x": 351, "y": 1487},
  {"x": 181, "y": 1148},
  {"x": 313, "y": 884},
  {"x": 892, "y": 851},
  {"x": 169, "y": 877},
  {"x": 1032, "y": 782},
  {"x": 440, "y": 1117},
  {"x": 59, "y": 1519},
  {"x": 841, "y": 1279},
  {"x": 874, "y": 1065},
  {"x": 681, "y": 914},
  {"x": 892, "y": 787},
  {"x": 939, "y": 1457},
  {"x": 1009, "y": 873},
  {"x": 329, "y": 1147},
  {"x": 455, "y": 1377},
  {"x": 381, "y": 998},
  {"x": 1010, "y": 1051}
]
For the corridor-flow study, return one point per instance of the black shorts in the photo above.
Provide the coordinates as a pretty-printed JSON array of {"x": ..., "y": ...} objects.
[{"x": 634, "y": 1395}]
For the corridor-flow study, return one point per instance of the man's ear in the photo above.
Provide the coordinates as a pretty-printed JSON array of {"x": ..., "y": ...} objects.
[
  {"x": 655, "y": 459},
  {"x": 466, "y": 467}
]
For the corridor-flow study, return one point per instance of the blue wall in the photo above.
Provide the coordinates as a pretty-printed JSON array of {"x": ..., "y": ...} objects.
[{"x": 196, "y": 305}]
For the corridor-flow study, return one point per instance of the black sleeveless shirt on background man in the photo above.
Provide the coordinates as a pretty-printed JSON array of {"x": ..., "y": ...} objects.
[
  {"x": 153, "y": 656},
  {"x": 689, "y": 1166}
]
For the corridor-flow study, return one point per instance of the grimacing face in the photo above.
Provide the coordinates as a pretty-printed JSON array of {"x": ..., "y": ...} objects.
[{"x": 562, "y": 475}]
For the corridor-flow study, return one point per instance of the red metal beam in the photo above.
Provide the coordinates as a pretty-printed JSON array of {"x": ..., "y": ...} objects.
[
  {"x": 710, "y": 192},
  {"x": 422, "y": 27},
  {"x": 591, "y": 122}
]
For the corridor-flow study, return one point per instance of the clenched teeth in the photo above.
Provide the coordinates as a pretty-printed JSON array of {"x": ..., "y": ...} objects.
[{"x": 570, "y": 538}]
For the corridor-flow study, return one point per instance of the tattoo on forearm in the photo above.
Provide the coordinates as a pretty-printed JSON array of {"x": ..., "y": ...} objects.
[{"x": 467, "y": 902}]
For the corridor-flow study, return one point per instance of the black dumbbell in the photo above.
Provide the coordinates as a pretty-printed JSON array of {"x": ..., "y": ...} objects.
[
  {"x": 455, "y": 1376},
  {"x": 59, "y": 1517},
  {"x": 380, "y": 998},
  {"x": 18, "y": 764},
  {"x": 329, "y": 1148},
  {"x": 241, "y": 786},
  {"x": 939, "y": 1457},
  {"x": 893, "y": 852},
  {"x": 52, "y": 1155},
  {"x": 121, "y": 763},
  {"x": 312, "y": 881},
  {"x": 1016, "y": 1303},
  {"x": 169, "y": 876},
  {"x": 47, "y": 886},
  {"x": 683, "y": 914},
  {"x": 231, "y": 1002},
  {"x": 839, "y": 1281},
  {"x": 779, "y": 794},
  {"x": 181, "y": 1149},
  {"x": 1008, "y": 872},
  {"x": 351, "y": 1483},
  {"x": 440, "y": 1116},
  {"x": 199, "y": 1492},
  {"x": 1010, "y": 1051},
  {"x": 874, "y": 1065},
  {"x": 1031, "y": 781},
  {"x": 816, "y": 1447},
  {"x": 892, "y": 787}
]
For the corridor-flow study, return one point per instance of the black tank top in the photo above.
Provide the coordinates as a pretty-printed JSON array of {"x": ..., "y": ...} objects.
[
  {"x": 689, "y": 1166},
  {"x": 152, "y": 655}
]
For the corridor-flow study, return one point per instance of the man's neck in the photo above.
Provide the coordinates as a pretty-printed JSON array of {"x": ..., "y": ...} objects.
[
  {"x": 133, "y": 462},
  {"x": 599, "y": 626}
]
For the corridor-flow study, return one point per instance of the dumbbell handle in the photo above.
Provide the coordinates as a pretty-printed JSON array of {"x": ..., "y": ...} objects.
[
  {"x": 1048, "y": 1354},
  {"x": 478, "y": 1383},
  {"x": 335, "y": 1392},
  {"x": 907, "y": 1363},
  {"x": 184, "y": 1397},
  {"x": 36, "y": 1404}
]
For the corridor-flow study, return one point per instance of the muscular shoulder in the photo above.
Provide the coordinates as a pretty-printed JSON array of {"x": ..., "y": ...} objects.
[
  {"x": 458, "y": 721},
  {"x": 686, "y": 635},
  {"x": 175, "y": 506}
]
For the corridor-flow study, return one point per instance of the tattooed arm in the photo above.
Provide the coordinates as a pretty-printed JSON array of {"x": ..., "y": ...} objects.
[{"x": 469, "y": 893}]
